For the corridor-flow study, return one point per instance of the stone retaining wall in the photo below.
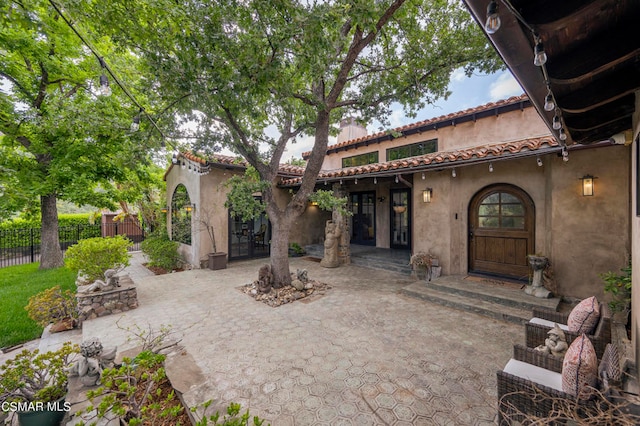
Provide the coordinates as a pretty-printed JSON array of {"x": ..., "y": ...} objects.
[{"x": 101, "y": 303}]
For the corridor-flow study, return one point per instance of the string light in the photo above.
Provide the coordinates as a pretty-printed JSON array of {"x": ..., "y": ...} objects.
[
  {"x": 490, "y": 167},
  {"x": 105, "y": 90},
  {"x": 355, "y": 181},
  {"x": 539, "y": 55},
  {"x": 562, "y": 135},
  {"x": 565, "y": 154},
  {"x": 453, "y": 173},
  {"x": 539, "y": 161},
  {"x": 135, "y": 124},
  {"x": 557, "y": 123},
  {"x": 423, "y": 176},
  {"x": 396, "y": 178},
  {"x": 549, "y": 104},
  {"x": 375, "y": 180},
  {"x": 493, "y": 19}
]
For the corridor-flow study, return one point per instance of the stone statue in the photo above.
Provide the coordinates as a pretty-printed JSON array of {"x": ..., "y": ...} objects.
[
  {"x": 302, "y": 275},
  {"x": 111, "y": 282},
  {"x": 555, "y": 344},
  {"x": 265, "y": 279},
  {"x": 332, "y": 236},
  {"x": 538, "y": 264},
  {"x": 93, "y": 360}
]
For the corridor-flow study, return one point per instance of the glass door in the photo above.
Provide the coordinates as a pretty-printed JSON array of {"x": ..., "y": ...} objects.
[
  {"x": 248, "y": 239},
  {"x": 400, "y": 219},
  {"x": 363, "y": 220}
]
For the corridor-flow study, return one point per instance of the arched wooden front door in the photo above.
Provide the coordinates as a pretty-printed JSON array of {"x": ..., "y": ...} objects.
[{"x": 501, "y": 231}]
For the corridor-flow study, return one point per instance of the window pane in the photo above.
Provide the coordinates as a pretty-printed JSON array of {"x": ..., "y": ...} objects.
[
  {"x": 508, "y": 198},
  {"x": 492, "y": 199},
  {"x": 488, "y": 210},
  {"x": 513, "y": 222},
  {"x": 488, "y": 222},
  {"x": 513, "y": 210},
  {"x": 412, "y": 150}
]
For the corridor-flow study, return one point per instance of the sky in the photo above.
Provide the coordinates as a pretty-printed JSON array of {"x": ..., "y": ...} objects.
[{"x": 466, "y": 92}]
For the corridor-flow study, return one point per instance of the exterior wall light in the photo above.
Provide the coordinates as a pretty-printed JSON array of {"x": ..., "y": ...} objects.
[
  {"x": 426, "y": 195},
  {"x": 190, "y": 207},
  {"x": 588, "y": 183}
]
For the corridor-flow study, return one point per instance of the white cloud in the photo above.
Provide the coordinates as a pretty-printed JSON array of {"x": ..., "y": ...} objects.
[
  {"x": 504, "y": 87},
  {"x": 458, "y": 75}
]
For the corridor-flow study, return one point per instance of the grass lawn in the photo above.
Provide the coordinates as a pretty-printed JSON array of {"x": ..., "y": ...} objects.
[{"x": 17, "y": 284}]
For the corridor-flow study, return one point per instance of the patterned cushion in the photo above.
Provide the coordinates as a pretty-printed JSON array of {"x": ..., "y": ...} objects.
[
  {"x": 585, "y": 316},
  {"x": 610, "y": 364},
  {"x": 580, "y": 368}
]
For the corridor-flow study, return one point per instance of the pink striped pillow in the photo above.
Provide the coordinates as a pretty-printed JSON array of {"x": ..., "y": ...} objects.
[
  {"x": 580, "y": 368},
  {"x": 585, "y": 316}
]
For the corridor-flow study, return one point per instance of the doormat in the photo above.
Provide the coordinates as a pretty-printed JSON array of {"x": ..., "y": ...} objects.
[{"x": 496, "y": 282}]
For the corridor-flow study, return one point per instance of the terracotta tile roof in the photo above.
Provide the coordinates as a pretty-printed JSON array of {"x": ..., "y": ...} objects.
[
  {"x": 432, "y": 123},
  {"x": 439, "y": 159},
  {"x": 218, "y": 159}
]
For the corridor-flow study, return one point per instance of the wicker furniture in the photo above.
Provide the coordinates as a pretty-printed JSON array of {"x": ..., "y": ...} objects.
[
  {"x": 535, "y": 334},
  {"x": 521, "y": 394}
]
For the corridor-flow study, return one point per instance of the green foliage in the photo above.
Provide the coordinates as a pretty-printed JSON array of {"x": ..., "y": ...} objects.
[
  {"x": 296, "y": 248},
  {"x": 161, "y": 251},
  {"x": 241, "y": 199},
  {"x": 619, "y": 286},
  {"x": 52, "y": 305},
  {"x": 231, "y": 418},
  {"x": 36, "y": 377},
  {"x": 93, "y": 256},
  {"x": 329, "y": 202},
  {"x": 17, "y": 285},
  {"x": 135, "y": 391},
  {"x": 18, "y": 233}
]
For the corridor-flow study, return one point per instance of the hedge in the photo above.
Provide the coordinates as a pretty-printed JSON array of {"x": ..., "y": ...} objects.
[{"x": 23, "y": 233}]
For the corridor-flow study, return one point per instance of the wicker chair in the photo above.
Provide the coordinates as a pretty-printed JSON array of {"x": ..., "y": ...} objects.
[
  {"x": 522, "y": 396},
  {"x": 535, "y": 334}
]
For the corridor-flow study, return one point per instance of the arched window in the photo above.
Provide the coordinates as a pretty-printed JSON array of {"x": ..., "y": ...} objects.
[
  {"x": 501, "y": 210},
  {"x": 181, "y": 215}
]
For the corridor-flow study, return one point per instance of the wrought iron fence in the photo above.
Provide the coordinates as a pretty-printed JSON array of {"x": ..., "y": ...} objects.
[{"x": 21, "y": 246}]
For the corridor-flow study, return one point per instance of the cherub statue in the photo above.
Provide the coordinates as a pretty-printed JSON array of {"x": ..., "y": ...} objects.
[
  {"x": 555, "y": 344},
  {"x": 93, "y": 360}
]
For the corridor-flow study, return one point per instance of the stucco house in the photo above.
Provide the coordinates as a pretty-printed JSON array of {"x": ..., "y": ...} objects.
[{"x": 481, "y": 189}]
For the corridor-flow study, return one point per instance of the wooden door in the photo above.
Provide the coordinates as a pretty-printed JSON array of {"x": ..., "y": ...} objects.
[{"x": 501, "y": 231}]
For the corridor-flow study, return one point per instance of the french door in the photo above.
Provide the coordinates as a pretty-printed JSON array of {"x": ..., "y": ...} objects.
[{"x": 363, "y": 220}]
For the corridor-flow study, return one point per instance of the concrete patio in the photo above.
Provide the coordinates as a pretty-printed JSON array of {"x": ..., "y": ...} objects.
[{"x": 361, "y": 354}]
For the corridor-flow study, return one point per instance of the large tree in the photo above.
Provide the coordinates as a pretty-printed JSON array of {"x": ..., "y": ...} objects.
[
  {"x": 60, "y": 139},
  {"x": 242, "y": 68}
]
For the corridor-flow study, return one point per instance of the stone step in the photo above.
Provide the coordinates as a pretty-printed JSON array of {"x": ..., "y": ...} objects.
[{"x": 492, "y": 298}]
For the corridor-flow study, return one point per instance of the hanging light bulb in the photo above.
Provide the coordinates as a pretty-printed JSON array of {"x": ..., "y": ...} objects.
[
  {"x": 453, "y": 173},
  {"x": 105, "y": 90},
  {"x": 135, "y": 124},
  {"x": 340, "y": 181},
  {"x": 549, "y": 105},
  {"x": 422, "y": 175},
  {"x": 174, "y": 158},
  {"x": 325, "y": 182},
  {"x": 562, "y": 135},
  {"x": 396, "y": 178},
  {"x": 375, "y": 180},
  {"x": 184, "y": 165},
  {"x": 565, "y": 154},
  {"x": 356, "y": 181},
  {"x": 557, "y": 124},
  {"x": 493, "y": 19},
  {"x": 539, "y": 161},
  {"x": 490, "y": 167},
  {"x": 539, "y": 55}
]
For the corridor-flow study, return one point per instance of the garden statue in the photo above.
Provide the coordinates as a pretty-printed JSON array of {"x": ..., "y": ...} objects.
[
  {"x": 332, "y": 234},
  {"x": 265, "y": 279},
  {"x": 538, "y": 264},
  {"x": 111, "y": 282},
  {"x": 94, "y": 359},
  {"x": 302, "y": 275},
  {"x": 555, "y": 344}
]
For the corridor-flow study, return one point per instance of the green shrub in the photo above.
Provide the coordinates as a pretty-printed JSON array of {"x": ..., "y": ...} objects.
[
  {"x": 161, "y": 251},
  {"x": 93, "y": 256},
  {"x": 52, "y": 305},
  {"x": 619, "y": 286}
]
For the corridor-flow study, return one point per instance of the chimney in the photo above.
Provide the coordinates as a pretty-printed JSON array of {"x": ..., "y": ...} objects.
[{"x": 350, "y": 129}]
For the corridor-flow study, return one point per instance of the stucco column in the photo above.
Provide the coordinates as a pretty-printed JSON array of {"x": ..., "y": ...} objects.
[{"x": 344, "y": 245}]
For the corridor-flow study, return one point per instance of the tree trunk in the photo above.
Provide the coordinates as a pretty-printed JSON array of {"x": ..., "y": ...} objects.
[
  {"x": 50, "y": 252},
  {"x": 280, "y": 251}
]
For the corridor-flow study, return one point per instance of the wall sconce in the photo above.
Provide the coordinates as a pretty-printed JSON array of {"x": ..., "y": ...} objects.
[
  {"x": 588, "y": 183},
  {"x": 164, "y": 209},
  {"x": 426, "y": 195},
  {"x": 190, "y": 207}
]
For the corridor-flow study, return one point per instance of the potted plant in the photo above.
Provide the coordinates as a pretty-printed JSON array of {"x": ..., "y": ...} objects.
[
  {"x": 619, "y": 287},
  {"x": 295, "y": 250},
  {"x": 422, "y": 263},
  {"x": 34, "y": 385},
  {"x": 54, "y": 306},
  {"x": 216, "y": 259}
]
